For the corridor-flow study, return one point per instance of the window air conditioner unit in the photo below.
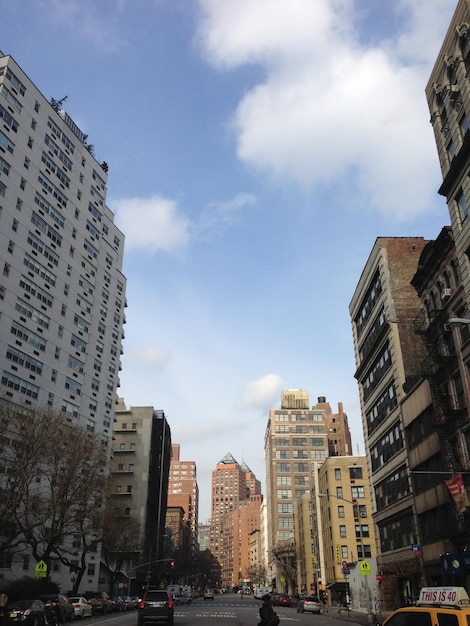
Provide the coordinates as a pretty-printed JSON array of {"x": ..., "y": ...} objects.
[
  {"x": 446, "y": 294},
  {"x": 363, "y": 514}
]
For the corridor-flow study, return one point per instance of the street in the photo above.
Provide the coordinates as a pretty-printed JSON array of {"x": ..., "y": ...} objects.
[{"x": 229, "y": 609}]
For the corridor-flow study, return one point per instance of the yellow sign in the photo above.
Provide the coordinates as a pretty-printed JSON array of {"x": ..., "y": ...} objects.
[
  {"x": 365, "y": 568},
  {"x": 40, "y": 571}
]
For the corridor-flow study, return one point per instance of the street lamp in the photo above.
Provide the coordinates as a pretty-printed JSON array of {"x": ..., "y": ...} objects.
[{"x": 354, "y": 503}]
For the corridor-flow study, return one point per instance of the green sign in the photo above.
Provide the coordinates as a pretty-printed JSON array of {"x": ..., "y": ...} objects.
[
  {"x": 365, "y": 568},
  {"x": 40, "y": 571}
]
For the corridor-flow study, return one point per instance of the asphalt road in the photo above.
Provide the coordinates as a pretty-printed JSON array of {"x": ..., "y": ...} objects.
[{"x": 225, "y": 610}]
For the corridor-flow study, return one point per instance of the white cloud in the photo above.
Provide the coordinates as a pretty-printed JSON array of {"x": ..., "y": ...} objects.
[
  {"x": 217, "y": 216},
  {"x": 263, "y": 393},
  {"x": 331, "y": 111},
  {"x": 152, "y": 224}
]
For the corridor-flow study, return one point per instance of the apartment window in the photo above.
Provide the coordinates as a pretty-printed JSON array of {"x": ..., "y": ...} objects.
[
  {"x": 462, "y": 205},
  {"x": 358, "y": 492},
  {"x": 364, "y": 551},
  {"x": 341, "y": 512},
  {"x": 337, "y": 473},
  {"x": 342, "y": 531},
  {"x": 344, "y": 552},
  {"x": 463, "y": 123},
  {"x": 355, "y": 473},
  {"x": 362, "y": 530}
]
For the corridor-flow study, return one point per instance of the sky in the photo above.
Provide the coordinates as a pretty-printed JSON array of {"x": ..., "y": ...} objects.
[{"x": 256, "y": 150}]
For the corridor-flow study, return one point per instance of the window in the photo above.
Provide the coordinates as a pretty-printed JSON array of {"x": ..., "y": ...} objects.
[
  {"x": 341, "y": 511},
  {"x": 355, "y": 473},
  {"x": 463, "y": 123},
  {"x": 462, "y": 205},
  {"x": 342, "y": 531},
  {"x": 362, "y": 530},
  {"x": 337, "y": 473},
  {"x": 358, "y": 492}
]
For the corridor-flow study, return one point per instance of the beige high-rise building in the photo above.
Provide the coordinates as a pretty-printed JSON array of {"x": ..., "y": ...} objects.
[
  {"x": 296, "y": 440},
  {"x": 345, "y": 530}
]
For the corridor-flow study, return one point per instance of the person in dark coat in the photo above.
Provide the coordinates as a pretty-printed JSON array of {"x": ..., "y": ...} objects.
[{"x": 266, "y": 611}]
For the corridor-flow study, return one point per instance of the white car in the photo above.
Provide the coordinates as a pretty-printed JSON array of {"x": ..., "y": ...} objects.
[
  {"x": 208, "y": 594},
  {"x": 81, "y": 607}
]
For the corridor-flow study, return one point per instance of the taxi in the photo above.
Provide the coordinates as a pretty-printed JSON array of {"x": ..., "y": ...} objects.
[{"x": 437, "y": 606}]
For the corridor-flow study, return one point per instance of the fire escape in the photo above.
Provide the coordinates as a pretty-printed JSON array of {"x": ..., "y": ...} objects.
[{"x": 449, "y": 408}]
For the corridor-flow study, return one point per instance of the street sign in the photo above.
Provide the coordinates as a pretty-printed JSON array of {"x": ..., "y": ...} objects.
[
  {"x": 40, "y": 571},
  {"x": 365, "y": 568}
]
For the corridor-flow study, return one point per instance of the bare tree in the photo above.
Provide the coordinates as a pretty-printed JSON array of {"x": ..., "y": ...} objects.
[
  {"x": 121, "y": 539},
  {"x": 54, "y": 484},
  {"x": 256, "y": 574}
]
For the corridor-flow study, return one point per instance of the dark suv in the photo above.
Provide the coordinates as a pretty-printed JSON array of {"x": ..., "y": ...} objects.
[{"x": 155, "y": 606}]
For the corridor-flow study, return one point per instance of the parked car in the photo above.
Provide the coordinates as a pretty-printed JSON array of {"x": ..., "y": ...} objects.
[
  {"x": 118, "y": 604},
  {"x": 310, "y": 604},
  {"x": 284, "y": 600},
  {"x": 66, "y": 611},
  {"x": 25, "y": 612},
  {"x": 82, "y": 608},
  {"x": 208, "y": 594},
  {"x": 156, "y": 606},
  {"x": 100, "y": 602},
  {"x": 129, "y": 602}
]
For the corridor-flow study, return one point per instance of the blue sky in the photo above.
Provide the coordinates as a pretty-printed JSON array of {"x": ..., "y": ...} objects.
[{"x": 256, "y": 150}]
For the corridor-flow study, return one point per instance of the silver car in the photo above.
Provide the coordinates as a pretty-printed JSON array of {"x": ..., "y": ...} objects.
[{"x": 309, "y": 603}]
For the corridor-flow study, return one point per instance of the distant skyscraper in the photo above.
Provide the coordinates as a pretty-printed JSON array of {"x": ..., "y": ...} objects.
[
  {"x": 183, "y": 491},
  {"x": 296, "y": 441},
  {"x": 229, "y": 490}
]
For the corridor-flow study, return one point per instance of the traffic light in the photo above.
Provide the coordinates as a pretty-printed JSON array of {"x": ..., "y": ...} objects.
[{"x": 172, "y": 564}]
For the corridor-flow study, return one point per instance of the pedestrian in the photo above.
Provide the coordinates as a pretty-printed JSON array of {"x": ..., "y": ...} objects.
[
  {"x": 54, "y": 617},
  {"x": 266, "y": 612}
]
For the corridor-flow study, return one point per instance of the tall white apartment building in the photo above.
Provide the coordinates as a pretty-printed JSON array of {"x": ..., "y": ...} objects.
[{"x": 62, "y": 293}]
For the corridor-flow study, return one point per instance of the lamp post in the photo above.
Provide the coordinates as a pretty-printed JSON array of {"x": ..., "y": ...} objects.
[{"x": 370, "y": 616}]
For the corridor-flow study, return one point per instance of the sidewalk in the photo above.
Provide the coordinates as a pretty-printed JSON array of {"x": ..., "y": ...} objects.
[{"x": 355, "y": 617}]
